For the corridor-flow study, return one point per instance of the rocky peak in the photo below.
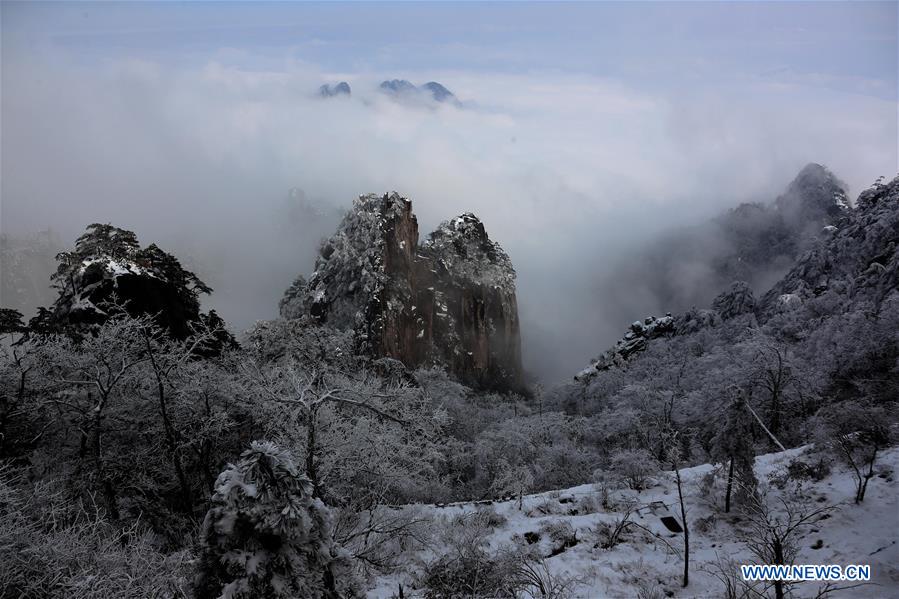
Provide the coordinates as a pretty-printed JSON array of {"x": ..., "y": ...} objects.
[
  {"x": 461, "y": 246},
  {"x": 329, "y": 91},
  {"x": 408, "y": 91},
  {"x": 352, "y": 265},
  {"x": 438, "y": 91},
  {"x": 448, "y": 301},
  {"x": 858, "y": 257},
  {"x": 815, "y": 196},
  {"x": 396, "y": 86},
  {"x": 634, "y": 341}
]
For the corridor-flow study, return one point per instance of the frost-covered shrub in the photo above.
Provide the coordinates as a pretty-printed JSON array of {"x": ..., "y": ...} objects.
[
  {"x": 561, "y": 464},
  {"x": 558, "y": 530},
  {"x": 546, "y": 507},
  {"x": 381, "y": 539},
  {"x": 587, "y": 504},
  {"x": 610, "y": 533},
  {"x": 266, "y": 536},
  {"x": 473, "y": 573},
  {"x": 634, "y": 467},
  {"x": 650, "y": 589},
  {"x": 490, "y": 517},
  {"x": 705, "y": 525},
  {"x": 816, "y": 471},
  {"x": 52, "y": 547},
  {"x": 561, "y": 533},
  {"x": 604, "y": 482},
  {"x": 466, "y": 569}
]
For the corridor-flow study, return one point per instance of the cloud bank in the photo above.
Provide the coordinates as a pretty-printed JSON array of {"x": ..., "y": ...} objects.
[{"x": 570, "y": 172}]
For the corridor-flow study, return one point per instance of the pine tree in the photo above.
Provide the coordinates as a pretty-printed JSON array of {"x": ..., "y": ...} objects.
[{"x": 266, "y": 536}]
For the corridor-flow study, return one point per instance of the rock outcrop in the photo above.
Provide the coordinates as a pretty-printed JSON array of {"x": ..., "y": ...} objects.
[
  {"x": 634, "y": 341},
  {"x": 449, "y": 300},
  {"x": 108, "y": 271},
  {"x": 815, "y": 197}
]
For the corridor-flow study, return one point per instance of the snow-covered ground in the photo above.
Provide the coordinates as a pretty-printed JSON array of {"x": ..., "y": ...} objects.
[{"x": 850, "y": 534}]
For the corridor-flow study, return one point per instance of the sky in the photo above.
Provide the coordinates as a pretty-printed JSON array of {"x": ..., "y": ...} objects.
[{"x": 585, "y": 129}]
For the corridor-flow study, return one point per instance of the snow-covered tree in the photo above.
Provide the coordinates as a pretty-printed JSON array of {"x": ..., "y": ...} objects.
[
  {"x": 512, "y": 480},
  {"x": 855, "y": 432},
  {"x": 634, "y": 467},
  {"x": 733, "y": 446},
  {"x": 775, "y": 375},
  {"x": 267, "y": 536},
  {"x": 774, "y": 528}
]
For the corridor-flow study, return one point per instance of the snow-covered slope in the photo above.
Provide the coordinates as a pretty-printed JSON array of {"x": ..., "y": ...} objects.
[{"x": 643, "y": 563}]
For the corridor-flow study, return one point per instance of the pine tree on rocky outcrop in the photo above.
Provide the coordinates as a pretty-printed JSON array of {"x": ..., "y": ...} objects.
[{"x": 107, "y": 271}]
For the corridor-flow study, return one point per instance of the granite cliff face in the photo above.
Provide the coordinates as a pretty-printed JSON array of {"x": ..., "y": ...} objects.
[{"x": 449, "y": 300}]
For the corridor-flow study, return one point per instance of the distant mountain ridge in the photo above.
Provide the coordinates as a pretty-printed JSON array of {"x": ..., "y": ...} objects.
[
  {"x": 430, "y": 90},
  {"x": 753, "y": 242},
  {"x": 400, "y": 89},
  {"x": 852, "y": 264}
]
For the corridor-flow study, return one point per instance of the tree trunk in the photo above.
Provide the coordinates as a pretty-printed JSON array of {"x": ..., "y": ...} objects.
[
  {"x": 775, "y": 411},
  {"x": 310, "y": 454},
  {"x": 170, "y": 441},
  {"x": 730, "y": 485},
  {"x": 109, "y": 493},
  {"x": 172, "y": 446},
  {"x": 683, "y": 516},
  {"x": 868, "y": 476},
  {"x": 778, "y": 560}
]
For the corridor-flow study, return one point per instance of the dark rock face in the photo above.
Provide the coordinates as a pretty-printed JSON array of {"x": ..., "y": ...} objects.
[{"x": 450, "y": 300}]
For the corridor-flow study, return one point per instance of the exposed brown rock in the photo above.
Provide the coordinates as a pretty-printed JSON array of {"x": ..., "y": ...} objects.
[{"x": 449, "y": 301}]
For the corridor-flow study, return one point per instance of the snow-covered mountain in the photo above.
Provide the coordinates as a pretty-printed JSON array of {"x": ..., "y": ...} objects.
[
  {"x": 851, "y": 264},
  {"x": 753, "y": 242}
]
